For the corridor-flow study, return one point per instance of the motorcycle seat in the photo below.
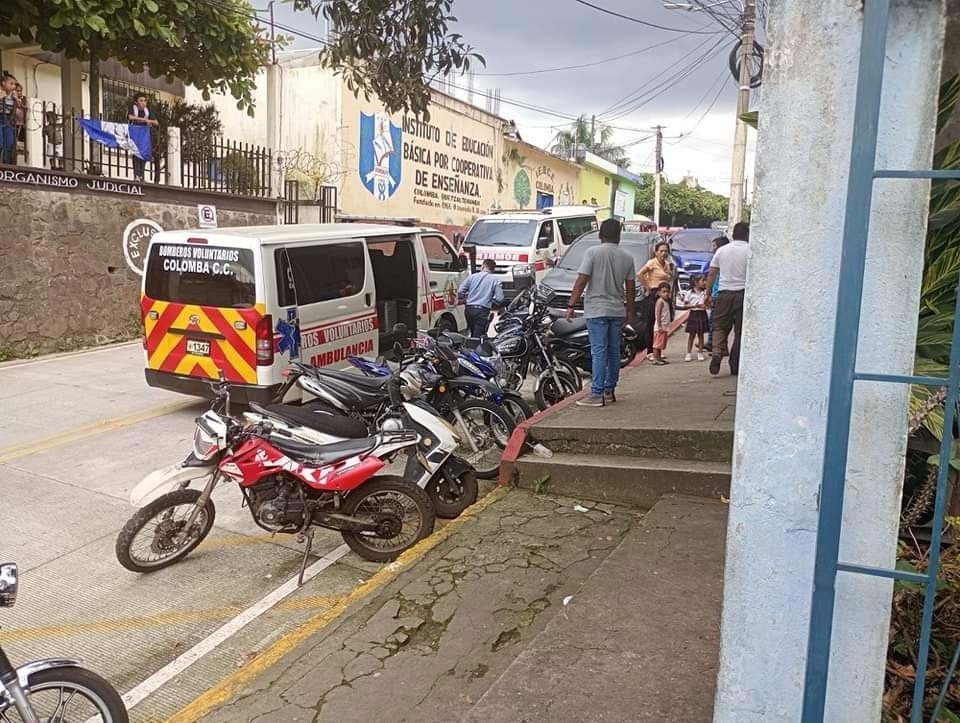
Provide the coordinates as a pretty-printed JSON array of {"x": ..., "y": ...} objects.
[
  {"x": 562, "y": 327},
  {"x": 369, "y": 383},
  {"x": 321, "y": 418},
  {"x": 321, "y": 454}
]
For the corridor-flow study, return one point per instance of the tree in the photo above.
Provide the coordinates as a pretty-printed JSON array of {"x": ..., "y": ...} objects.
[
  {"x": 388, "y": 48},
  {"x": 213, "y": 45},
  {"x": 598, "y": 140},
  {"x": 682, "y": 204},
  {"x": 381, "y": 46}
]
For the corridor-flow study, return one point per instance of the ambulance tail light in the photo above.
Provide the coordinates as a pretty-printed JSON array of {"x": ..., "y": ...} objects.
[{"x": 265, "y": 341}]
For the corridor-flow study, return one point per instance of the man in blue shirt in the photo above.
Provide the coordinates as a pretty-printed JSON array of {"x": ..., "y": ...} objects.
[{"x": 481, "y": 291}]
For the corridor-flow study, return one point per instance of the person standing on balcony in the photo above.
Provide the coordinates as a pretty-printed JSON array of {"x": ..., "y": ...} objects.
[
  {"x": 606, "y": 279},
  {"x": 140, "y": 113},
  {"x": 8, "y": 126},
  {"x": 730, "y": 264},
  {"x": 481, "y": 292}
]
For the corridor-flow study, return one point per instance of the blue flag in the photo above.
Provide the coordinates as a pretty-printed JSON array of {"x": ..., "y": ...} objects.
[{"x": 133, "y": 137}]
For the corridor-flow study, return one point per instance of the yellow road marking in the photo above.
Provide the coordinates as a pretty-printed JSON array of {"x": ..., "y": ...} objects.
[
  {"x": 229, "y": 686},
  {"x": 90, "y": 430},
  {"x": 176, "y": 617}
]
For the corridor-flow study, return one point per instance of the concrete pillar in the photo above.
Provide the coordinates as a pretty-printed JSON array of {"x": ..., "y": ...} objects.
[
  {"x": 174, "y": 168},
  {"x": 71, "y": 99},
  {"x": 803, "y": 155},
  {"x": 274, "y": 123},
  {"x": 34, "y": 129}
]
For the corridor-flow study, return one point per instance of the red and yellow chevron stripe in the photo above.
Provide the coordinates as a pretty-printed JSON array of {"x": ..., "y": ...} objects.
[{"x": 231, "y": 333}]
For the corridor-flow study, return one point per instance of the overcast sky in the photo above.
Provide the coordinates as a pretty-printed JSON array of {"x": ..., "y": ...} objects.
[{"x": 631, "y": 94}]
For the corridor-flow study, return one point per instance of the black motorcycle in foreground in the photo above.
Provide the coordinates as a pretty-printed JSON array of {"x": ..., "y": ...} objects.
[{"x": 52, "y": 690}]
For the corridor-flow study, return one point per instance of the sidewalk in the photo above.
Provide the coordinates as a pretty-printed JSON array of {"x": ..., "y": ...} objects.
[{"x": 579, "y": 587}]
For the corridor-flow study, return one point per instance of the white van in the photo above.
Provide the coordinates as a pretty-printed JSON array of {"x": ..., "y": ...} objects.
[
  {"x": 525, "y": 243},
  {"x": 248, "y": 300}
]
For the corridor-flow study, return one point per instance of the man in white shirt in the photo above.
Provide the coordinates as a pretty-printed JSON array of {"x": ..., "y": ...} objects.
[{"x": 730, "y": 262}]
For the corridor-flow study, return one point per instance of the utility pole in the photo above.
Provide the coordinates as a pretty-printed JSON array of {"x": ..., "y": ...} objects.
[
  {"x": 656, "y": 176},
  {"x": 737, "y": 191},
  {"x": 593, "y": 133}
]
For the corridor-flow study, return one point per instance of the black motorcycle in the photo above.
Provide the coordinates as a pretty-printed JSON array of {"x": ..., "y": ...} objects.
[
  {"x": 52, "y": 690},
  {"x": 570, "y": 342}
]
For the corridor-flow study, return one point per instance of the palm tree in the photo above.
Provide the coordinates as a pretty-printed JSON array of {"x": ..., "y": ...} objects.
[{"x": 599, "y": 142}]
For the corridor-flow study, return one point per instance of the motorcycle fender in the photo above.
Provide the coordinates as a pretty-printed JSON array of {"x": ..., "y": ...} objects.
[
  {"x": 164, "y": 480},
  {"x": 25, "y": 671},
  {"x": 440, "y": 428}
]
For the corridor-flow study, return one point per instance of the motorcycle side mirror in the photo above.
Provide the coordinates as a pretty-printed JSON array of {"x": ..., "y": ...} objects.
[{"x": 9, "y": 582}]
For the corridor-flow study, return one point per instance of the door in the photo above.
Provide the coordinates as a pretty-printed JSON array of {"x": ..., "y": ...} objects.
[
  {"x": 548, "y": 247},
  {"x": 327, "y": 303},
  {"x": 544, "y": 200},
  {"x": 444, "y": 276},
  {"x": 200, "y": 311}
]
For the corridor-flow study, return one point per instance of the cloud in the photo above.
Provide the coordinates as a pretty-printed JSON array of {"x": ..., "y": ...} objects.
[{"x": 672, "y": 83}]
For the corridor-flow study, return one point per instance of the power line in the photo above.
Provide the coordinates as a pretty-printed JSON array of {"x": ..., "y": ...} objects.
[
  {"x": 707, "y": 111},
  {"x": 644, "y": 94},
  {"x": 644, "y": 22},
  {"x": 581, "y": 65}
]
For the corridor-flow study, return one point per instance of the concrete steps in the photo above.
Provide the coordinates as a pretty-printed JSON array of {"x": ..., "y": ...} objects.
[
  {"x": 626, "y": 480},
  {"x": 708, "y": 445},
  {"x": 638, "y": 641}
]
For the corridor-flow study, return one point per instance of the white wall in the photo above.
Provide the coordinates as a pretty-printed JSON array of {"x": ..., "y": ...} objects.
[{"x": 803, "y": 156}]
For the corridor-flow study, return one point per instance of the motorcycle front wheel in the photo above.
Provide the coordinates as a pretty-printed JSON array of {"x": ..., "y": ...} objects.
[
  {"x": 517, "y": 406},
  {"x": 453, "y": 489},
  {"x": 549, "y": 392},
  {"x": 65, "y": 694},
  {"x": 407, "y": 511},
  {"x": 148, "y": 541},
  {"x": 485, "y": 429}
]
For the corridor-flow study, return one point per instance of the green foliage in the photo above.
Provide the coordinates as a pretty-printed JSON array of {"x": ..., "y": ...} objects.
[
  {"x": 241, "y": 174},
  {"x": 681, "y": 204},
  {"x": 599, "y": 142},
  {"x": 941, "y": 266},
  {"x": 387, "y": 48},
  {"x": 199, "y": 125},
  {"x": 214, "y": 46}
]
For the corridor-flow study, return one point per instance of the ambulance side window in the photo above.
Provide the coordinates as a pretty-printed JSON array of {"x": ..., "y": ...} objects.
[
  {"x": 440, "y": 256},
  {"x": 572, "y": 228},
  {"x": 286, "y": 288},
  {"x": 319, "y": 273}
]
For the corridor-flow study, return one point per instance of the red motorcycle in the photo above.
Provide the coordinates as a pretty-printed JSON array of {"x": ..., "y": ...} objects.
[{"x": 289, "y": 485}]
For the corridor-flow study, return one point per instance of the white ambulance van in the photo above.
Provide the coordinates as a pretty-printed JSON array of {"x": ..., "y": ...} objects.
[
  {"x": 525, "y": 243},
  {"x": 248, "y": 300}
]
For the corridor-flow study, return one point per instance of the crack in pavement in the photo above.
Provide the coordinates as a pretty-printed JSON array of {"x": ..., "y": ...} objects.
[{"x": 431, "y": 644}]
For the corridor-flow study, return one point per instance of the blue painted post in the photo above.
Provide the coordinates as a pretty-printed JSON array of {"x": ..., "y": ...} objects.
[{"x": 840, "y": 402}]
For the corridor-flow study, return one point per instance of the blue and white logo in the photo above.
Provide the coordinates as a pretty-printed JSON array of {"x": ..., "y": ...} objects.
[{"x": 381, "y": 143}]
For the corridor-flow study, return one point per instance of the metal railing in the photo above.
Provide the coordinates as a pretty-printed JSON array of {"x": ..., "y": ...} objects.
[
  {"x": 226, "y": 166},
  {"x": 67, "y": 147}
]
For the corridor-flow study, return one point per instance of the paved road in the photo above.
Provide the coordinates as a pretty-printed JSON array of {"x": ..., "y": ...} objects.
[{"x": 76, "y": 434}]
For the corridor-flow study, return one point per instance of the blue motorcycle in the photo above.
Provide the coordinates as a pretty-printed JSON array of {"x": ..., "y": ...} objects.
[{"x": 469, "y": 363}]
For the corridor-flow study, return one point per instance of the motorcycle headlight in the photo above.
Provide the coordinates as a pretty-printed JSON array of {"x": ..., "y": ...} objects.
[{"x": 206, "y": 443}]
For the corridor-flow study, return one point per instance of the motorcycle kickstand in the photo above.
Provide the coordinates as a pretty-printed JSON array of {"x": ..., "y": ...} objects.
[{"x": 305, "y": 536}]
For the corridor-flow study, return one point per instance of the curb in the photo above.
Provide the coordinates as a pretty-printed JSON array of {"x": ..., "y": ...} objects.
[{"x": 518, "y": 439}]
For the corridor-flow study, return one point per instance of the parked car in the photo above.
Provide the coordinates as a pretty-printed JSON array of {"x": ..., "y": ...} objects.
[
  {"x": 563, "y": 275},
  {"x": 692, "y": 250}
]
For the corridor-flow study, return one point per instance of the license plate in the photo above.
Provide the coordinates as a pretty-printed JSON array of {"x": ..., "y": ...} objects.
[{"x": 198, "y": 348}]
